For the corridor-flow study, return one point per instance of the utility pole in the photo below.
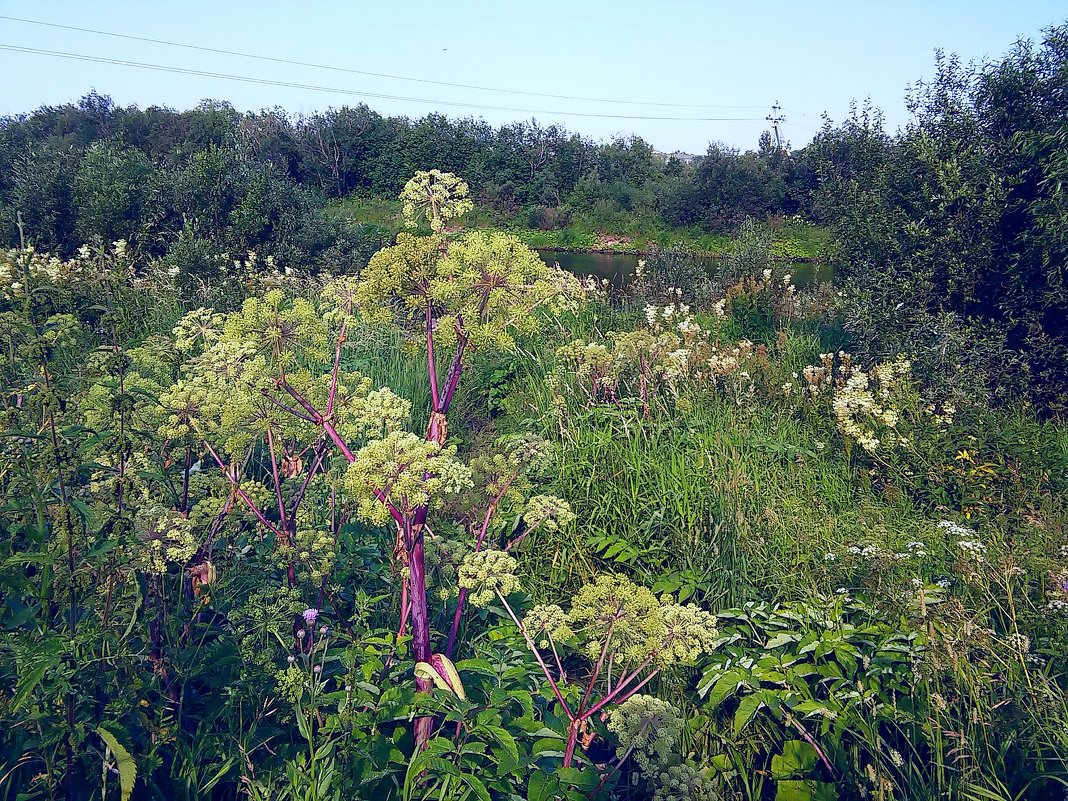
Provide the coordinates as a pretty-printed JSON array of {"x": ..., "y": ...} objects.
[{"x": 776, "y": 118}]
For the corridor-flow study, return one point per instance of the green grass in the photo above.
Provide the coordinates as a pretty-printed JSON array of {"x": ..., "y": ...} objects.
[{"x": 793, "y": 240}]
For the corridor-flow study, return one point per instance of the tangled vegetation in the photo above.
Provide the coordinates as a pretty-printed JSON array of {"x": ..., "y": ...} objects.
[
  {"x": 331, "y": 536},
  {"x": 441, "y": 521}
]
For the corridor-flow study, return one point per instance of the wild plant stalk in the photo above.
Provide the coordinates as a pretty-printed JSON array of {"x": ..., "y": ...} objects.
[
  {"x": 578, "y": 718},
  {"x": 49, "y": 404}
]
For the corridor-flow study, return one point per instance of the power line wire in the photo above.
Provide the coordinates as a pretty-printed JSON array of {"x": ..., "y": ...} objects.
[
  {"x": 334, "y": 68},
  {"x": 353, "y": 92}
]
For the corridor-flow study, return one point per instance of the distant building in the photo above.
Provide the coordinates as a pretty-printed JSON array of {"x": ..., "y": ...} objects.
[{"x": 685, "y": 158}]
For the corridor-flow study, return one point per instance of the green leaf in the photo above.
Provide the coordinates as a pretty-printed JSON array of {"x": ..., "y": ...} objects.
[
  {"x": 540, "y": 786},
  {"x": 477, "y": 786},
  {"x": 797, "y": 758},
  {"x": 785, "y": 638},
  {"x": 505, "y": 739},
  {"x": 721, "y": 763},
  {"x": 747, "y": 709},
  {"x": 805, "y": 790},
  {"x": 585, "y": 779},
  {"x": 723, "y": 688},
  {"x": 127, "y": 766},
  {"x": 47, "y": 656}
]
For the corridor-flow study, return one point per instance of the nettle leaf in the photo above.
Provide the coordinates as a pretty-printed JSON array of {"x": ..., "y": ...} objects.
[
  {"x": 126, "y": 765},
  {"x": 47, "y": 655}
]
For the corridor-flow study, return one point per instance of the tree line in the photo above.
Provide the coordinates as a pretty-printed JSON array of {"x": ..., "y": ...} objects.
[
  {"x": 259, "y": 180},
  {"x": 950, "y": 232}
]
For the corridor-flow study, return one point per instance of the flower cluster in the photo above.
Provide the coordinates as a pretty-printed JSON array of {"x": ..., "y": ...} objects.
[
  {"x": 596, "y": 366},
  {"x": 86, "y": 267},
  {"x": 487, "y": 573},
  {"x": 549, "y": 512},
  {"x": 971, "y": 547},
  {"x": 440, "y": 196},
  {"x": 197, "y": 331},
  {"x": 868, "y": 405},
  {"x": 613, "y": 612},
  {"x": 647, "y": 728},
  {"x": 1057, "y": 592},
  {"x": 407, "y": 471},
  {"x": 689, "y": 632},
  {"x": 166, "y": 538},
  {"x": 548, "y": 621},
  {"x": 684, "y": 782}
]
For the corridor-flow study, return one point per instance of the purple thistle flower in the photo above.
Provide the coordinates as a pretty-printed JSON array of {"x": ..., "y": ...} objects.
[{"x": 309, "y": 616}]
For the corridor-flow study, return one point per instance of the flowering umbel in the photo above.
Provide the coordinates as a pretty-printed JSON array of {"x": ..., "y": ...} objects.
[{"x": 487, "y": 573}]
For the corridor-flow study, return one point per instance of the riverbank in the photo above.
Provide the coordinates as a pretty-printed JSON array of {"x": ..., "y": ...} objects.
[{"x": 792, "y": 240}]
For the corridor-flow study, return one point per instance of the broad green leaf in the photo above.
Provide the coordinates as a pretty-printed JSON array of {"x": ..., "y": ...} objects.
[
  {"x": 805, "y": 790},
  {"x": 747, "y": 709},
  {"x": 797, "y": 758}
]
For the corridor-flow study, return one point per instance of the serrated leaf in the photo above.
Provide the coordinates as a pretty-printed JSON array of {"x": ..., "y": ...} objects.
[
  {"x": 505, "y": 740},
  {"x": 125, "y": 762}
]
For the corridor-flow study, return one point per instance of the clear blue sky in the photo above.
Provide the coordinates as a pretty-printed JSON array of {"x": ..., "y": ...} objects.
[{"x": 813, "y": 57}]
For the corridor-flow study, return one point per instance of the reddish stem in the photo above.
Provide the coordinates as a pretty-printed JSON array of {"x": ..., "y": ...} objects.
[
  {"x": 241, "y": 493},
  {"x": 572, "y": 741},
  {"x": 341, "y": 446},
  {"x": 320, "y": 454},
  {"x": 286, "y": 407},
  {"x": 284, "y": 384},
  {"x": 419, "y": 612},
  {"x": 277, "y": 484},
  {"x": 537, "y": 655},
  {"x": 619, "y": 698},
  {"x": 598, "y": 666},
  {"x": 431, "y": 365}
]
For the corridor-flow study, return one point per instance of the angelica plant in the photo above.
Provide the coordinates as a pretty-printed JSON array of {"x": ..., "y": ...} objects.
[
  {"x": 267, "y": 384},
  {"x": 647, "y": 728},
  {"x": 502, "y": 480},
  {"x": 624, "y": 631}
]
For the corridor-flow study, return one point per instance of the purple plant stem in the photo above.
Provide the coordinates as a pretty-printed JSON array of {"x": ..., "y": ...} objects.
[
  {"x": 242, "y": 495},
  {"x": 462, "y": 599},
  {"x": 619, "y": 696},
  {"x": 431, "y": 365},
  {"x": 286, "y": 407},
  {"x": 320, "y": 454},
  {"x": 300, "y": 399},
  {"x": 537, "y": 655},
  {"x": 597, "y": 667}
]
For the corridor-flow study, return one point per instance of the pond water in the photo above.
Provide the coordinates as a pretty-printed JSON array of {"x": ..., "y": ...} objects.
[{"x": 618, "y": 268}]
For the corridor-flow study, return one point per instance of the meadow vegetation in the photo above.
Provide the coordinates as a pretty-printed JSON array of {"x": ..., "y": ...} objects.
[{"x": 442, "y": 521}]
